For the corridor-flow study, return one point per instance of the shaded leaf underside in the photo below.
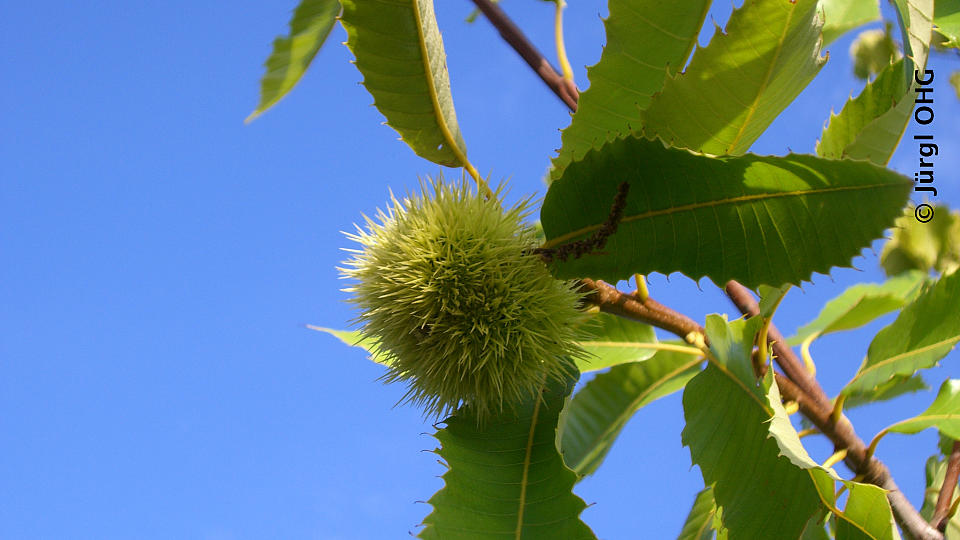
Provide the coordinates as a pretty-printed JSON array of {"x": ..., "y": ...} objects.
[
  {"x": 700, "y": 518},
  {"x": 763, "y": 480},
  {"x": 727, "y": 421}
]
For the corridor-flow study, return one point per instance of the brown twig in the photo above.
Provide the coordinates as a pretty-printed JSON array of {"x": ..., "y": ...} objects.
[
  {"x": 649, "y": 311},
  {"x": 564, "y": 90},
  {"x": 944, "y": 499}
]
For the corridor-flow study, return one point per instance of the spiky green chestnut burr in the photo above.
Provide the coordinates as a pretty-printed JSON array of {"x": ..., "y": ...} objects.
[{"x": 449, "y": 292}]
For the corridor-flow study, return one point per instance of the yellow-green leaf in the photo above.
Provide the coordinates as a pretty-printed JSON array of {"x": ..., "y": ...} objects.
[
  {"x": 860, "y": 304},
  {"x": 924, "y": 332},
  {"x": 400, "y": 53},
  {"x": 947, "y": 20},
  {"x": 841, "y": 16},
  {"x": 645, "y": 40},
  {"x": 870, "y": 125},
  {"x": 943, "y": 413},
  {"x": 735, "y": 87},
  {"x": 936, "y": 470}
]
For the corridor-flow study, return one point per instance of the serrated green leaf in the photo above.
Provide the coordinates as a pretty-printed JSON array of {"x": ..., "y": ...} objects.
[
  {"x": 943, "y": 413},
  {"x": 737, "y": 85},
  {"x": 756, "y": 219},
  {"x": 841, "y": 16},
  {"x": 867, "y": 515},
  {"x": 645, "y": 38},
  {"x": 895, "y": 387},
  {"x": 788, "y": 441},
  {"x": 728, "y": 433},
  {"x": 936, "y": 470},
  {"x": 924, "y": 332},
  {"x": 400, "y": 53},
  {"x": 947, "y": 20},
  {"x": 598, "y": 412},
  {"x": 869, "y": 126},
  {"x": 699, "y": 523},
  {"x": 916, "y": 25},
  {"x": 615, "y": 340},
  {"x": 292, "y": 54},
  {"x": 861, "y": 304},
  {"x": 507, "y": 479}
]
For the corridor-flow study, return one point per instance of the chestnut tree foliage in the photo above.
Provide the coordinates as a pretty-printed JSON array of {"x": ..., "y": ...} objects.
[{"x": 653, "y": 176}]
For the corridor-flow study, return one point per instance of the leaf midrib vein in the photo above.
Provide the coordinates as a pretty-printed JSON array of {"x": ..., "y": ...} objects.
[
  {"x": 906, "y": 354},
  {"x": 452, "y": 145},
  {"x": 526, "y": 468},
  {"x": 707, "y": 204}
]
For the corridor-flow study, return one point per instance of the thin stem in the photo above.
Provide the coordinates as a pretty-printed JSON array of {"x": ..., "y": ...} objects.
[
  {"x": 837, "y": 457},
  {"x": 872, "y": 447},
  {"x": 642, "y": 292},
  {"x": 481, "y": 183},
  {"x": 838, "y": 407},
  {"x": 941, "y": 513},
  {"x": 805, "y": 354},
  {"x": 513, "y": 36},
  {"x": 693, "y": 351},
  {"x": 558, "y": 37}
]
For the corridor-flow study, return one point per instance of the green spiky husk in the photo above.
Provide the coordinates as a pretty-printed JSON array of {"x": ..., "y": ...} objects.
[{"x": 449, "y": 292}]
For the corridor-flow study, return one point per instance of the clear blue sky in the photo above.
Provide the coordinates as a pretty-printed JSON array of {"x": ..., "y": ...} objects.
[{"x": 159, "y": 260}]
